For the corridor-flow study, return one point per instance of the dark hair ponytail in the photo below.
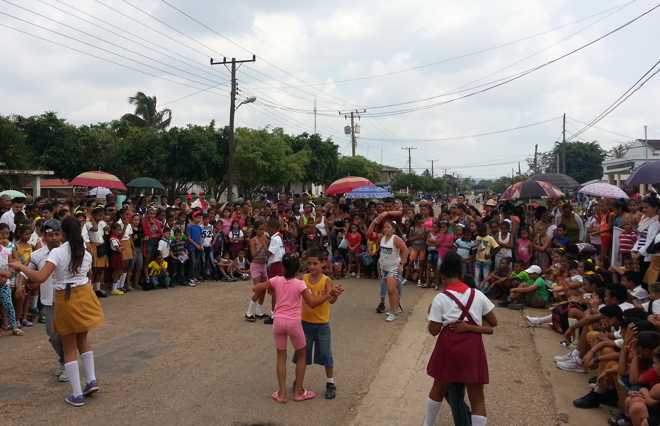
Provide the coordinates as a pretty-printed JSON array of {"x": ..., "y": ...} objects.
[
  {"x": 73, "y": 235},
  {"x": 291, "y": 265}
]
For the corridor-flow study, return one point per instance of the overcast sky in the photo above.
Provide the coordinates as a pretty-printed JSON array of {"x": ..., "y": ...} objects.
[{"x": 308, "y": 49}]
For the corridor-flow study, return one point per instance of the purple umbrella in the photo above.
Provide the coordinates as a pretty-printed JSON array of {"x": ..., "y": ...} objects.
[{"x": 648, "y": 172}]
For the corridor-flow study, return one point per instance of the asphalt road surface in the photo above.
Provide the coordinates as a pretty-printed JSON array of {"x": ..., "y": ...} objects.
[{"x": 186, "y": 356}]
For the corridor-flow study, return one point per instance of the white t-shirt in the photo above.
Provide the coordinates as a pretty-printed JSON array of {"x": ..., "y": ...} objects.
[
  {"x": 276, "y": 248},
  {"x": 444, "y": 310},
  {"x": 37, "y": 262},
  {"x": 625, "y": 306},
  {"x": 639, "y": 294},
  {"x": 656, "y": 306},
  {"x": 207, "y": 235},
  {"x": 164, "y": 248},
  {"x": 96, "y": 237},
  {"x": 61, "y": 257},
  {"x": 8, "y": 218},
  {"x": 128, "y": 232},
  {"x": 34, "y": 239}
]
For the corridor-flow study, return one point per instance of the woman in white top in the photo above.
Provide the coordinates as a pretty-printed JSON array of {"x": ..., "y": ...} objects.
[
  {"x": 459, "y": 315},
  {"x": 647, "y": 230},
  {"x": 393, "y": 255},
  {"x": 77, "y": 310}
]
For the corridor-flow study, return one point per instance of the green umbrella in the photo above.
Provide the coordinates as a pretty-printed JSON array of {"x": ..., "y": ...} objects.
[
  {"x": 11, "y": 193},
  {"x": 145, "y": 182}
]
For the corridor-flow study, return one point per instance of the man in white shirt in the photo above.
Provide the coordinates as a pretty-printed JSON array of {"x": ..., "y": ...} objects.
[
  {"x": 275, "y": 254},
  {"x": 7, "y": 217},
  {"x": 52, "y": 236}
]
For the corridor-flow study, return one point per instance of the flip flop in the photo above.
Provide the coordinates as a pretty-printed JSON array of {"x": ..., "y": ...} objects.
[
  {"x": 307, "y": 394},
  {"x": 276, "y": 397}
]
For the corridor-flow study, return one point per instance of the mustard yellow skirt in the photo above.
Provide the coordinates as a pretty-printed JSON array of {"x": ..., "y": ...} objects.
[
  {"x": 98, "y": 261},
  {"x": 126, "y": 250},
  {"x": 80, "y": 313}
]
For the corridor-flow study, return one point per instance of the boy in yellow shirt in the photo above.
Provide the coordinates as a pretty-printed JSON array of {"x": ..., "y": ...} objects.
[
  {"x": 158, "y": 275},
  {"x": 316, "y": 321}
]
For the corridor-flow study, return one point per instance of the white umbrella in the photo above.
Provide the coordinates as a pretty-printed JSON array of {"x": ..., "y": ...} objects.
[
  {"x": 603, "y": 189},
  {"x": 99, "y": 192}
]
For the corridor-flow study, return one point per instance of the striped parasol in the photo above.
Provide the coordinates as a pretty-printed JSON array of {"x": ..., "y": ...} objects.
[
  {"x": 369, "y": 192},
  {"x": 347, "y": 184},
  {"x": 98, "y": 178}
]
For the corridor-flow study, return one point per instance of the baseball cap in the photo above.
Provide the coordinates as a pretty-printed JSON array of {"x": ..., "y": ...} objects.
[
  {"x": 491, "y": 203},
  {"x": 51, "y": 225},
  {"x": 534, "y": 269}
]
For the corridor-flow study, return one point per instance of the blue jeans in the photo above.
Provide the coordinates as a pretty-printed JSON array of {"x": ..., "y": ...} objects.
[
  {"x": 162, "y": 280},
  {"x": 318, "y": 338},
  {"x": 481, "y": 271},
  {"x": 53, "y": 337},
  {"x": 459, "y": 409},
  {"x": 195, "y": 259},
  {"x": 383, "y": 286},
  {"x": 8, "y": 305},
  {"x": 209, "y": 267},
  {"x": 176, "y": 271}
]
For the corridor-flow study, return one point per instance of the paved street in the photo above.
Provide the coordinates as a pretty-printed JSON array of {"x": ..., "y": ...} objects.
[{"x": 185, "y": 356}]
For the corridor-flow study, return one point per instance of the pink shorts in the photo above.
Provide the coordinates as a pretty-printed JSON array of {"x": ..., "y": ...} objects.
[
  {"x": 258, "y": 272},
  {"x": 283, "y": 328}
]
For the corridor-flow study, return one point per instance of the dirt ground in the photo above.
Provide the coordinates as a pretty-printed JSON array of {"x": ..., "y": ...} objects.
[{"x": 186, "y": 356}]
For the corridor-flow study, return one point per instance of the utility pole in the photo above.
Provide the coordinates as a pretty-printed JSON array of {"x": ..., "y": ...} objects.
[
  {"x": 352, "y": 115},
  {"x": 315, "y": 116},
  {"x": 646, "y": 141},
  {"x": 409, "y": 149},
  {"x": 231, "y": 145},
  {"x": 432, "y": 170},
  {"x": 536, "y": 156},
  {"x": 563, "y": 145},
  {"x": 519, "y": 172}
]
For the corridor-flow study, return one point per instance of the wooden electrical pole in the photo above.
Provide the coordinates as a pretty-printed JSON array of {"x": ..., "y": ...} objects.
[
  {"x": 231, "y": 143},
  {"x": 409, "y": 149},
  {"x": 352, "y": 115}
]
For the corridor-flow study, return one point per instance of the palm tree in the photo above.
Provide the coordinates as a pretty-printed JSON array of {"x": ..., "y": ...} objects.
[{"x": 146, "y": 114}]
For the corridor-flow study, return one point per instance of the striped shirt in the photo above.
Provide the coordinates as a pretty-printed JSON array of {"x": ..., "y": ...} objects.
[{"x": 627, "y": 241}]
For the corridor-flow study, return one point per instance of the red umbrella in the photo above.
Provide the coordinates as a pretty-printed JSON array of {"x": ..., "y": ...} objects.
[
  {"x": 98, "y": 178},
  {"x": 347, "y": 184},
  {"x": 532, "y": 189}
]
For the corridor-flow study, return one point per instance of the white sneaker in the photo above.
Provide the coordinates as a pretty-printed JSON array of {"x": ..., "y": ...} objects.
[
  {"x": 571, "y": 366},
  {"x": 58, "y": 370},
  {"x": 357, "y": 276},
  {"x": 353, "y": 274},
  {"x": 63, "y": 377},
  {"x": 390, "y": 317},
  {"x": 534, "y": 321},
  {"x": 566, "y": 357}
]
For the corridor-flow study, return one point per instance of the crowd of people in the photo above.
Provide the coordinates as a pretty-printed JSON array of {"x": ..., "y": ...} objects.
[{"x": 593, "y": 265}]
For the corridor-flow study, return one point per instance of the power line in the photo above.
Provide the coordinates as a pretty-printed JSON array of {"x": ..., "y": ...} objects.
[
  {"x": 648, "y": 75},
  {"x": 601, "y": 129},
  {"x": 607, "y": 11},
  {"x": 476, "y": 135},
  {"x": 508, "y": 80}
]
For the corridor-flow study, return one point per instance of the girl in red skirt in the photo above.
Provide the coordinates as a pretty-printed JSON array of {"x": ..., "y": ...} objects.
[{"x": 459, "y": 315}]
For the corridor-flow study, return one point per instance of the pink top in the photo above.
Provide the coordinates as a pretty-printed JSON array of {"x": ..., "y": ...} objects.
[
  {"x": 445, "y": 243},
  {"x": 288, "y": 297},
  {"x": 524, "y": 250}
]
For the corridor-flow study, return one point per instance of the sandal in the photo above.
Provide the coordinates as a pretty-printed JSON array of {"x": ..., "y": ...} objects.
[
  {"x": 17, "y": 332},
  {"x": 277, "y": 398},
  {"x": 306, "y": 395}
]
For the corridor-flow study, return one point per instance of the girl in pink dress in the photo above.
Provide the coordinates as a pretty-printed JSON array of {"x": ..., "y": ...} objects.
[
  {"x": 288, "y": 293},
  {"x": 524, "y": 248}
]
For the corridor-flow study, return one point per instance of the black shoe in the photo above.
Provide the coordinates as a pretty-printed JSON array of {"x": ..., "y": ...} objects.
[
  {"x": 100, "y": 293},
  {"x": 381, "y": 308},
  {"x": 250, "y": 318},
  {"x": 590, "y": 400},
  {"x": 268, "y": 320},
  {"x": 609, "y": 398},
  {"x": 330, "y": 391},
  {"x": 504, "y": 304}
]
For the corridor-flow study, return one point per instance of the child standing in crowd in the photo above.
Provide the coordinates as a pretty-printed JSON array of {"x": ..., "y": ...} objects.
[
  {"x": 195, "y": 249},
  {"x": 486, "y": 246},
  {"x": 316, "y": 321},
  {"x": 354, "y": 239},
  {"x": 289, "y": 293},
  {"x": 95, "y": 229},
  {"x": 524, "y": 248},
  {"x": 235, "y": 238},
  {"x": 116, "y": 261},
  {"x": 21, "y": 252},
  {"x": 459, "y": 315},
  {"x": 207, "y": 243},
  {"x": 179, "y": 257},
  {"x": 5, "y": 276}
]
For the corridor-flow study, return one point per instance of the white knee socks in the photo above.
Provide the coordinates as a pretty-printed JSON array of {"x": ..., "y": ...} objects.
[
  {"x": 88, "y": 366},
  {"x": 73, "y": 374},
  {"x": 432, "y": 410},
  {"x": 260, "y": 310},
  {"x": 122, "y": 280},
  {"x": 478, "y": 420}
]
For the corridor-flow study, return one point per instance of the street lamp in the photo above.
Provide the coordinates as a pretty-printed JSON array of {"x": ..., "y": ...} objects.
[
  {"x": 249, "y": 100},
  {"x": 232, "y": 142}
]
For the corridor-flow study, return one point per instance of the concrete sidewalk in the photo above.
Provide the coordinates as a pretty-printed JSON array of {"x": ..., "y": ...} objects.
[{"x": 519, "y": 392}]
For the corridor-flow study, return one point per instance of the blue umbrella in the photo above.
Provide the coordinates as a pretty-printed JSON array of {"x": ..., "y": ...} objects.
[{"x": 369, "y": 192}]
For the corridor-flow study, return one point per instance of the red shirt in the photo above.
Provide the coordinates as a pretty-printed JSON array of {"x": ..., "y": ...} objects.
[
  {"x": 354, "y": 240},
  {"x": 649, "y": 377}
]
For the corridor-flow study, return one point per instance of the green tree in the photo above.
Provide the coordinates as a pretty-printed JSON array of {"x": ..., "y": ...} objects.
[
  {"x": 146, "y": 114},
  {"x": 584, "y": 160},
  {"x": 358, "y": 166},
  {"x": 323, "y": 157}
]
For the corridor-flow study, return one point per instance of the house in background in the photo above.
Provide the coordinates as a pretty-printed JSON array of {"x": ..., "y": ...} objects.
[
  {"x": 621, "y": 162},
  {"x": 52, "y": 188},
  {"x": 387, "y": 175}
]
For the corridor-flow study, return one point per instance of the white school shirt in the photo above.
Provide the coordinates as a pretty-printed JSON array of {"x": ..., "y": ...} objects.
[
  {"x": 656, "y": 306},
  {"x": 37, "y": 262},
  {"x": 276, "y": 247},
  {"x": 8, "y": 218},
  {"x": 96, "y": 237},
  {"x": 128, "y": 231},
  {"x": 61, "y": 257},
  {"x": 445, "y": 311}
]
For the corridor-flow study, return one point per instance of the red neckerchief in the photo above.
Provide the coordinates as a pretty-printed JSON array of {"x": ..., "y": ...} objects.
[{"x": 457, "y": 286}]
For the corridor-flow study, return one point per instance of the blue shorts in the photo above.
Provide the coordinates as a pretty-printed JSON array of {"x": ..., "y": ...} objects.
[
  {"x": 433, "y": 258},
  {"x": 383, "y": 286},
  {"x": 318, "y": 344}
]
